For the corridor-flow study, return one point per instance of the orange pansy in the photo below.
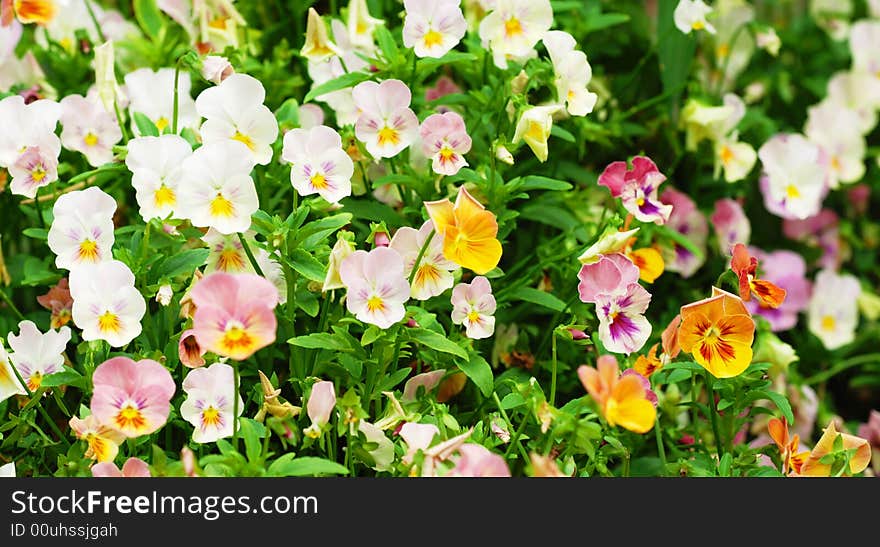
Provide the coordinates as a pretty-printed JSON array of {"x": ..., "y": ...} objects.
[
  {"x": 718, "y": 332},
  {"x": 469, "y": 232},
  {"x": 621, "y": 399},
  {"x": 745, "y": 267}
]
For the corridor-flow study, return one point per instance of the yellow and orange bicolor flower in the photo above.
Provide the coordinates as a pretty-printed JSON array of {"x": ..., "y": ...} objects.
[
  {"x": 718, "y": 331},
  {"x": 808, "y": 463},
  {"x": 40, "y": 12},
  {"x": 622, "y": 400},
  {"x": 745, "y": 267},
  {"x": 469, "y": 232}
]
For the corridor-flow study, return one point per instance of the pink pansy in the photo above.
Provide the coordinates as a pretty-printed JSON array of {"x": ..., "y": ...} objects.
[
  {"x": 89, "y": 129},
  {"x": 787, "y": 270},
  {"x": 215, "y": 68},
  {"x": 445, "y": 141},
  {"x": 478, "y": 461},
  {"x": 474, "y": 306},
  {"x": 433, "y": 27},
  {"x": 234, "y": 313},
  {"x": 610, "y": 276},
  {"x": 434, "y": 275},
  {"x": 319, "y": 165},
  {"x": 322, "y": 401},
  {"x": 376, "y": 286},
  {"x": 623, "y": 327},
  {"x": 133, "y": 398},
  {"x": 646, "y": 384},
  {"x": 386, "y": 123},
  {"x": 687, "y": 220},
  {"x": 426, "y": 380},
  {"x": 637, "y": 188},
  {"x": 36, "y": 355},
  {"x": 442, "y": 87},
  {"x": 731, "y": 225},
  {"x": 210, "y": 402},
  {"x": 417, "y": 437},
  {"x": 32, "y": 171},
  {"x": 818, "y": 230},
  {"x": 26, "y": 125},
  {"x": 133, "y": 467},
  {"x": 190, "y": 352}
]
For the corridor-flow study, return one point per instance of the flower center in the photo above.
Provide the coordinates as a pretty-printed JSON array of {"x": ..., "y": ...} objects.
[
  {"x": 244, "y": 139},
  {"x": 535, "y": 131},
  {"x": 828, "y": 323},
  {"x": 130, "y": 417},
  {"x": 388, "y": 135},
  {"x": 375, "y": 303},
  {"x": 319, "y": 181},
  {"x": 88, "y": 251},
  {"x": 38, "y": 173},
  {"x": 211, "y": 417},
  {"x": 164, "y": 197},
  {"x": 360, "y": 27},
  {"x": 722, "y": 51},
  {"x": 835, "y": 163},
  {"x": 109, "y": 322},
  {"x": 425, "y": 273},
  {"x": 236, "y": 338},
  {"x": 698, "y": 25},
  {"x": 218, "y": 23},
  {"x": 230, "y": 260},
  {"x": 161, "y": 123},
  {"x": 792, "y": 192},
  {"x": 447, "y": 154},
  {"x": 35, "y": 380},
  {"x": 221, "y": 207},
  {"x": 512, "y": 27},
  {"x": 726, "y": 154},
  {"x": 432, "y": 38},
  {"x": 473, "y": 316},
  {"x": 90, "y": 139}
]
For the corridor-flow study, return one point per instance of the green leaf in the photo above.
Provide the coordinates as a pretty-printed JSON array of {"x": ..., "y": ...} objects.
[
  {"x": 184, "y": 262},
  {"x": 304, "y": 467},
  {"x": 429, "y": 63},
  {"x": 480, "y": 372},
  {"x": 68, "y": 376},
  {"x": 312, "y": 233},
  {"x": 343, "y": 82},
  {"x": 370, "y": 335},
  {"x": 374, "y": 211},
  {"x": 307, "y": 265},
  {"x": 387, "y": 44},
  {"x": 541, "y": 298},
  {"x": 252, "y": 431},
  {"x": 320, "y": 340},
  {"x": 145, "y": 126},
  {"x": 36, "y": 233},
  {"x": 675, "y": 51},
  {"x": 563, "y": 134},
  {"x": 781, "y": 402},
  {"x": 535, "y": 182},
  {"x": 148, "y": 17},
  {"x": 605, "y": 20},
  {"x": 436, "y": 342},
  {"x": 393, "y": 379}
]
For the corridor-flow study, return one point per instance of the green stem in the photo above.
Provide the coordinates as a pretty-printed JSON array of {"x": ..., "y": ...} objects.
[
  {"x": 626, "y": 458},
  {"x": 11, "y": 305},
  {"x": 95, "y": 21},
  {"x": 39, "y": 209},
  {"x": 661, "y": 450},
  {"x": 145, "y": 244},
  {"x": 87, "y": 174},
  {"x": 713, "y": 411},
  {"x": 514, "y": 441},
  {"x": 510, "y": 427},
  {"x": 250, "y": 255},
  {"x": 412, "y": 78},
  {"x": 553, "y": 373},
  {"x": 122, "y": 127},
  {"x": 841, "y": 366},
  {"x": 39, "y": 404},
  {"x": 176, "y": 93},
  {"x": 235, "y": 397}
]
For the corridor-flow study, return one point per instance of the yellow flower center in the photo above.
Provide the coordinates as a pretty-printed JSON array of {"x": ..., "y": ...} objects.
[
  {"x": 230, "y": 260},
  {"x": 218, "y": 23},
  {"x": 835, "y": 163},
  {"x": 698, "y": 25},
  {"x": 828, "y": 323},
  {"x": 432, "y": 38},
  {"x": 211, "y": 417},
  {"x": 161, "y": 123},
  {"x": 640, "y": 201},
  {"x": 446, "y": 154},
  {"x": 792, "y": 192},
  {"x": 536, "y": 131},
  {"x": 38, "y": 174},
  {"x": 90, "y": 139},
  {"x": 35, "y": 380},
  {"x": 375, "y": 303},
  {"x": 164, "y": 197},
  {"x": 88, "y": 251},
  {"x": 109, "y": 322},
  {"x": 726, "y": 154},
  {"x": 236, "y": 339},
  {"x": 221, "y": 207},
  {"x": 512, "y": 27},
  {"x": 425, "y": 273},
  {"x": 244, "y": 139},
  {"x": 360, "y": 27},
  {"x": 722, "y": 51},
  {"x": 387, "y": 135},
  {"x": 473, "y": 317},
  {"x": 319, "y": 181},
  {"x": 130, "y": 417}
]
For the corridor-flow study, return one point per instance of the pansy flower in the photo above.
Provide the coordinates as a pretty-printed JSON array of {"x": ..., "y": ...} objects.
[
  {"x": 689, "y": 221},
  {"x": 718, "y": 331},
  {"x": 319, "y": 407},
  {"x": 361, "y": 24},
  {"x": 474, "y": 307},
  {"x": 28, "y": 125},
  {"x": 189, "y": 351},
  {"x": 132, "y": 397},
  {"x": 234, "y": 111},
  {"x": 690, "y": 15},
  {"x": 434, "y": 275},
  {"x": 829, "y": 125},
  {"x": 534, "y": 126},
  {"x": 234, "y": 313},
  {"x": 637, "y": 188},
  {"x": 513, "y": 27},
  {"x": 833, "y": 313},
  {"x": 622, "y": 399},
  {"x": 794, "y": 182},
  {"x": 731, "y": 225},
  {"x": 106, "y": 304},
  {"x": 210, "y": 402},
  {"x": 611, "y": 276},
  {"x": 132, "y": 468},
  {"x": 319, "y": 165},
  {"x": 103, "y": 441},
  {"x": 9, "y": 384},
  {"x": 469, "y": 232},
  {"x": 317, "y": 45},
  {"x": 787, "y": 270},
  {"x": 445, "y": 141},
  {"x": 745, "y": 267},
  {"x": 82, "y": 230},
  {"x": 31, "y": 171},
  {"x": 216, "y": 189},
  {"x": 572, "y": 73},
  {"x": 386, "y": 125},
  {"x": 36, "y": 355},
  {"x": 475, "y": 460},
  {"x": 809, "y": 463},
  {"x": 340, "y": 251},
  {"x": 151, "y": 92},
  {"x": 156, "y": 167},
  {"x": 433, "y": 27},
  {"x": 89, "y": 129},
  {"x": 376, "y": 288},
  {"x": 623, "y": 327}
]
